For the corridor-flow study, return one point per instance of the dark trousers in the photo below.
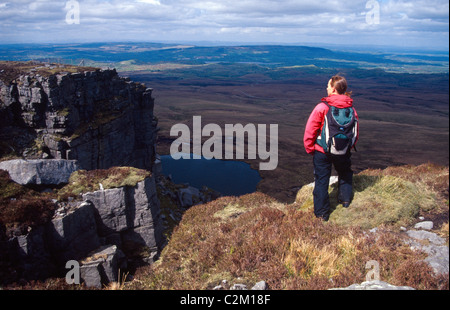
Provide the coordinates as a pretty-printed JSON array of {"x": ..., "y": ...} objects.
[{"x": 322, "y": 172}]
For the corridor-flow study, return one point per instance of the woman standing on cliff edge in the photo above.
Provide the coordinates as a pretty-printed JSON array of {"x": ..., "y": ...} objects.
[{"x": 324, "y": 152}]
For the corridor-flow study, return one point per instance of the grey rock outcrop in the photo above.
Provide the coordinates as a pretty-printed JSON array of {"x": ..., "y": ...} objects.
[
  {"x": 374, "y": 285},
  {"x": 73, "y": 235},
  {"x": 95, "y": 117},
  {"x": 224, "y": 285},
  {"x": 40, "y": 171},
  {"x": 260, "y": 286},
  {"x": 427, "y": 225},
  {"x": 434, "y": 246},
  {"x": 129, "y": 216},
  {"x": 101, "y": 232},
  {"x": 63, "y": 122},
  {"x": 44, "y": 250},
  {"x": 103, "y": 266},
  {"x": 188, "y": 195}
]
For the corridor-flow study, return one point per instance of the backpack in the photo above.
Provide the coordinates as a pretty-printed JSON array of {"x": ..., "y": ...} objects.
[{"x": 339, "y": 132}]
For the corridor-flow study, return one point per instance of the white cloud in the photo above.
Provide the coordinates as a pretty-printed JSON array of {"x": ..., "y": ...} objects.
[
  {"x": 421, "y": 21},
  {"x": 154, "y": 2}
]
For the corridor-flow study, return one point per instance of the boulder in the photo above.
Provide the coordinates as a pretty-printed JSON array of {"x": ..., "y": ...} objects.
[
  {"x": 102, "y": 266},
  {"x": 260, "y": 286},
  {"x": 73, "y": 235},
  {"x": 427, "y": 225},
  {"x": 426, "y": 236},
  {"x": 434, "y": 246},
  {"x": 133, "y": 212},
  {"x": 374, "y": 285},
  {"x": 40, "y": 171},
  {"x": 438, "y": 259},
  {"x": 189, "y": 196}
]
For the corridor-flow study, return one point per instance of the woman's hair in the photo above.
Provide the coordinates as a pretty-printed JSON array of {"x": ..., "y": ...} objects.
[{"x": 340, "y": 84}]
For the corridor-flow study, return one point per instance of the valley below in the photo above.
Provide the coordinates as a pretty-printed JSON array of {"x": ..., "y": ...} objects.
[{"x": 403, "y": 117}]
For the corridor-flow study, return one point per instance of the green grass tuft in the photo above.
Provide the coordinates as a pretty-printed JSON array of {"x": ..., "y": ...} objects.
[
  {"x": 395, "y": 196},
  {"x": 383, "y": 200},
  {"x": 83, "y": 181}
]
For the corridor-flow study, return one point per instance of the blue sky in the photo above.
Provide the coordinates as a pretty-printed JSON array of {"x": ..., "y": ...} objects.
[{"x": 412, "y": 23}]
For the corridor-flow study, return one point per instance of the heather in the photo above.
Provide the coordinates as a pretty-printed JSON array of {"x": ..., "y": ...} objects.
[{"x": 253, "y": 237}]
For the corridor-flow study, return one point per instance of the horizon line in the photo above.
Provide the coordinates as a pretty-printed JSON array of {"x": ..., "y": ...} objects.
[{"x": 217, "y": 43}]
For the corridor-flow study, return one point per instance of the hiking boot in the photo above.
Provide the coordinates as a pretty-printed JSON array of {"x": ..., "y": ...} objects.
[
  {"x": 323, "y": 218},
  {"x": 345, "y": 204}
]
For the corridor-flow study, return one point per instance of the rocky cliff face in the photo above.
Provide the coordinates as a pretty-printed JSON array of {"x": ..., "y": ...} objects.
[
  {"x": 129, "y": 217},
  {"x": 78, "y": 231},
  {"x": 60, "y": 119},
  {"x": 95, "y": 117}
]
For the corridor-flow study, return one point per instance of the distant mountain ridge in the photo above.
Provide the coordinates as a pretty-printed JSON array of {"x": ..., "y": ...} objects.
[{"x": 267, "y": 55}]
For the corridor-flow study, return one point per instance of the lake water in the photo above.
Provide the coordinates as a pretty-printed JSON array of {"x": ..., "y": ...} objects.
[{"x": 230, "y": 178}]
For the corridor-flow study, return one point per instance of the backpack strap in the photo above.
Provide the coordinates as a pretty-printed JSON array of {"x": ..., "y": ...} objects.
[{"x": 326, "y": 104}]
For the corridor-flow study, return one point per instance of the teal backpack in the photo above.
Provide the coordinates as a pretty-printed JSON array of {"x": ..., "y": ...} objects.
[{"x": 339, "y": 132}]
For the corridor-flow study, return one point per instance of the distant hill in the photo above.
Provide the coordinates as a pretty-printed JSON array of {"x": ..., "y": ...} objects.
[{"x": 111, "y": 54}]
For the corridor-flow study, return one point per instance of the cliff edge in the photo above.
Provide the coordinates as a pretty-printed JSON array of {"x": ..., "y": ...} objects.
[{"x": 89, "y": 115}]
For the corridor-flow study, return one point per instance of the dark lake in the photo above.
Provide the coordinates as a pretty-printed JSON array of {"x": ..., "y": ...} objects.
[{"x": 230, "y": 178}]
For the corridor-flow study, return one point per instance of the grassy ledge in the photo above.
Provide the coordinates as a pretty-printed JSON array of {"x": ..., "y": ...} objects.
[{"x": 83, "y": 181}]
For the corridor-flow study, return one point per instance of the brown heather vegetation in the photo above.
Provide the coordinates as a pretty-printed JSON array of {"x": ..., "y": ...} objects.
[
  {"x": 255, "y": 237},
  {"x": 21, "y": 208},
  {"x": 251, "y": 238}
]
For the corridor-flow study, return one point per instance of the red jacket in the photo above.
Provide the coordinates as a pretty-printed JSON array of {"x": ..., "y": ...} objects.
[{"x": 316, "y": 120}]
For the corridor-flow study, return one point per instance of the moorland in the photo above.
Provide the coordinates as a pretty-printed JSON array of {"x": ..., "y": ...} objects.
[
  {"x": 403, "y": 118},
  {"x": 401, "y": 98}
]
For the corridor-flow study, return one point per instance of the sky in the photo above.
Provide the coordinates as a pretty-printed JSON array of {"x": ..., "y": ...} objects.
[{"x": 401, "y": 23}]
